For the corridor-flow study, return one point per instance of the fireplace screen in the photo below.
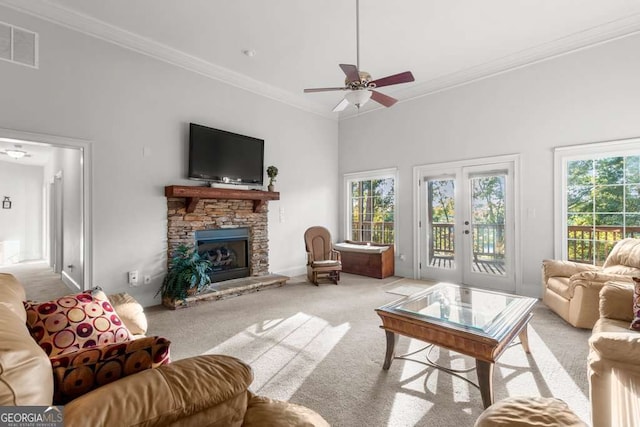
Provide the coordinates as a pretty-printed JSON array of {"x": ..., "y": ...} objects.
[{"x": 228, "y": 251}]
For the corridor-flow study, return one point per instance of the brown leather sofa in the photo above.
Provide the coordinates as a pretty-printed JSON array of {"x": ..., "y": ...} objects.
[
  {"x": 572, "y": 289},
  {"x": 208, "y": 390},
  {"x": 613, "y": 361}
]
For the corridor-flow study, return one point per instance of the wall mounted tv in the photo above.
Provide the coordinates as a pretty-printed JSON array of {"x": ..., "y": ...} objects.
[{"x": 219, "y": 156}]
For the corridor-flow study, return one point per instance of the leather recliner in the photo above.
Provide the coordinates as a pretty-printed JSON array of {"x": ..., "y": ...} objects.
[{"x": 572, "y": 289}]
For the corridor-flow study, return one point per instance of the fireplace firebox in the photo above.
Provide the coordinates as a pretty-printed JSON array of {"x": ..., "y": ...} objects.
[{"x": 228, "y": 251}]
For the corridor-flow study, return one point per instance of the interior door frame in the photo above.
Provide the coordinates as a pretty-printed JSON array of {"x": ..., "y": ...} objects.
[
  {"x": 85, "y": 147},
  {"x": 57, "y": 223},
  {"x": 418, "y": 194}
]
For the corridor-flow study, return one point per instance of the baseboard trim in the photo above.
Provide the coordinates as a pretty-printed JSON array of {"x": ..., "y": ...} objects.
[
  {"x": 68, "y": 280},
  {"x": 292, "y": 272}
]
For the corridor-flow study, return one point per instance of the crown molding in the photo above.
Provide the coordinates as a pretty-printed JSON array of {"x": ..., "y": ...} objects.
[
  {"x": 99, "y": 29},
  {"x": 563, "y": 46},
  {"x": 93, "y": 27}
]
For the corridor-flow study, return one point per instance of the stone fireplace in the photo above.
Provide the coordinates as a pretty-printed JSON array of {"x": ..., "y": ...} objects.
[{"x": 229, "y": 218}]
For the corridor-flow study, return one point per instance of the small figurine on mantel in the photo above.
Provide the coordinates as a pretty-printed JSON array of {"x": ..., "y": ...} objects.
[{"x": 272, "y": 172}]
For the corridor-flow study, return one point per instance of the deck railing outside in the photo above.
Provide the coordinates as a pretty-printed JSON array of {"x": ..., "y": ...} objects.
[
  {"x": 488, "y": 242},
  {"x": 585, "y": 244},
  {"x": 591, "y": 246},
  {"x": 379, "y": 232}
]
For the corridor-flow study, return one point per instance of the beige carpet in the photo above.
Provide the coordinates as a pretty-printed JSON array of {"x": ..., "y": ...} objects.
[
  {"x": 38, "y": 279},
  {"x": 322, "y": 347}
]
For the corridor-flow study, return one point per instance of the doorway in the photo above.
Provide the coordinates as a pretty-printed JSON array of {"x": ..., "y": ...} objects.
[
  {"x": 467, "y": 228},
  {"x": 66, "y": 214}
]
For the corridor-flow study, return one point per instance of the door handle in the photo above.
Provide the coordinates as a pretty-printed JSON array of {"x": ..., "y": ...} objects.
[
  {"x": 466, "y": 231},
  {"x": 466, "y": 223}
]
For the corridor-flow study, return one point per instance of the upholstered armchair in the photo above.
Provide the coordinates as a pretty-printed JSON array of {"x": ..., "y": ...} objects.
[
  {"x": 572, "y": 289},
  {"x": 322, "y": 259}
]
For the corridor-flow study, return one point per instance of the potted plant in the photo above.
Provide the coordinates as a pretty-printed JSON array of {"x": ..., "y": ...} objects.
[
  {"x": 188, "y": 274},
  {"x": 272, "y": 172}
]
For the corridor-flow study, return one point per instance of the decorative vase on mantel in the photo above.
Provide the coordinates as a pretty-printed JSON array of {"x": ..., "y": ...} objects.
[{"x": 272, "y": 172}]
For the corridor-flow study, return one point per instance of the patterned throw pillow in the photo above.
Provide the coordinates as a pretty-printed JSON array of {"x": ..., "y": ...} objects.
[
  {"x": 81, "y": 371},
  {"x": 635, "y": 324},
  {"x": 75, "y": 321}
]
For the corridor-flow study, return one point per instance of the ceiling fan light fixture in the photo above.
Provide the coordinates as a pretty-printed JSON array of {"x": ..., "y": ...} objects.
[
  {"x": 358, "y": 97},
  {"x": 16, "y": 154}
]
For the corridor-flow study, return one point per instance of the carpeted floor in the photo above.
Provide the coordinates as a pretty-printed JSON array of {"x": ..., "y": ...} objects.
[
  {"x": 322, "y": 347},
  {"x": 39, "y": 280}
]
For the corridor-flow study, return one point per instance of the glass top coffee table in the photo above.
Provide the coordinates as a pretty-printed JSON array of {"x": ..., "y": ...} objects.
[{"x": 475, "y": 322}]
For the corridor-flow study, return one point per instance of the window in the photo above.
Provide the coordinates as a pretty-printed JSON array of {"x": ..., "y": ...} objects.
[
  {"x": 371, "y": 206},
  {"x": 600, "y": 198}
]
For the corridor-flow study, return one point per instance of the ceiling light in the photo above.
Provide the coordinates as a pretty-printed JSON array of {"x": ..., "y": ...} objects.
[
  {"x": 16, "y": 154},
  {"x": 358, "y": 97}
]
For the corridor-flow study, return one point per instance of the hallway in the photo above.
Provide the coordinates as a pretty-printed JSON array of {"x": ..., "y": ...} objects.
[{"x": 38, "y": 279}]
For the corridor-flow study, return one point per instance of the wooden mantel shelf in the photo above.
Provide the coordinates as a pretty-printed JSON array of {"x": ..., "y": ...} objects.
[{"x": 193, "y": 194}]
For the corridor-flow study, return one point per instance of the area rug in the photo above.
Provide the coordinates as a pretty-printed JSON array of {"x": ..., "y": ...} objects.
[{"x": 407, "y": 287}]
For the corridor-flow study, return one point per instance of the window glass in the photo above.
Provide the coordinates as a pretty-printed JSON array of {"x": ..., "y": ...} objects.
[
  {"x": 372, "y": 209},
  {"x": 602, "y": 204}
]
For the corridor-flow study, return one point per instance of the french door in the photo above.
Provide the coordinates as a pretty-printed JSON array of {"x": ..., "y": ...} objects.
[{"x": 467, "y": 225}]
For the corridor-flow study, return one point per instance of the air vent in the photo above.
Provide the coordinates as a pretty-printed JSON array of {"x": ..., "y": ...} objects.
[{"x": 18, "y": 45}]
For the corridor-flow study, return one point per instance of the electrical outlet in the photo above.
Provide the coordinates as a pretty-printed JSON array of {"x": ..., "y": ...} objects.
[
  {"x": 133, "y": 277},
  {"x": 147, "y": 279}
]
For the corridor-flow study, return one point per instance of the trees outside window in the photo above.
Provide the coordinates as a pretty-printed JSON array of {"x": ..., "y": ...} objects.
[
  {"x": 601, "y": 201},
  {"x": 371, "y": 208}
]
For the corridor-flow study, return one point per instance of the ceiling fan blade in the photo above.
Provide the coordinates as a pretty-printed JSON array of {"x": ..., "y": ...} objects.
[
  {"x": 395, "y": 79},
  {"x": 324, "y": 89},
  {"x": 341, "y": 105},
  {"x": 351, "y": 71},
  {"x": 383, "y": 99}
]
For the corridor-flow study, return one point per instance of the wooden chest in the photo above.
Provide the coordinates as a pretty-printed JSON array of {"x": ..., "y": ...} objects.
[{"x": 372, "y": 260}]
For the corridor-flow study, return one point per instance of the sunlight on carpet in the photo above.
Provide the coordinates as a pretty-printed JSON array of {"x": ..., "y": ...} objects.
[
  {"x": 283, "y": 352},
  {"x": 420, "y": 384},
  {"x": 516, "y": 374}
]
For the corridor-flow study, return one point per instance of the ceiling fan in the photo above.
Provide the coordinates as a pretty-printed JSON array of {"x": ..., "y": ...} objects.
[
  {"x": 360, "y": 83},
  {"x": 15, "y": 153}
]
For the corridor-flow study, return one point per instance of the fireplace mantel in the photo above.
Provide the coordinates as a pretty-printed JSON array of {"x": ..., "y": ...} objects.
[{"x": 193, "y": 194}]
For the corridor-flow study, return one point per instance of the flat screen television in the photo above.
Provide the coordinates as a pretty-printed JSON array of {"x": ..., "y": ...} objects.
[{"x": 219, "y": 156}]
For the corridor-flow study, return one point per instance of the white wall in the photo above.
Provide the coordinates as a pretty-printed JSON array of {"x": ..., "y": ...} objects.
[
  {"x": 123, "y": 102},
  {"x": 587, "y": 96},
  {"x": 23, "y": 222}
]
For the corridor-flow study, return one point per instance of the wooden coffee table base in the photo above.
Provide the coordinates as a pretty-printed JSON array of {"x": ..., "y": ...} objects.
[{"x": 484, "y": 368}]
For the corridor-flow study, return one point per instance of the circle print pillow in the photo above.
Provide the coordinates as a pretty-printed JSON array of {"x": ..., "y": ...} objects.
[{"x": 75, "y": 321}]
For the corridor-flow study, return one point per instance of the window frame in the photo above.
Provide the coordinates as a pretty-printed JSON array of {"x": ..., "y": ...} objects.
[
  {"x": 562, "y": 155},
  {"x": 349, "y": 178}
]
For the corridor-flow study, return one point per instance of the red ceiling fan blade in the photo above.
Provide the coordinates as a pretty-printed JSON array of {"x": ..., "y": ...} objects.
[
  {"x": 351, "y": 71},
  {"x": 405, "y": 77},
  {"x": 324, "y": 89},
  {"x": 341, "y": 106},
  {"x": 383, "y": 99}
]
